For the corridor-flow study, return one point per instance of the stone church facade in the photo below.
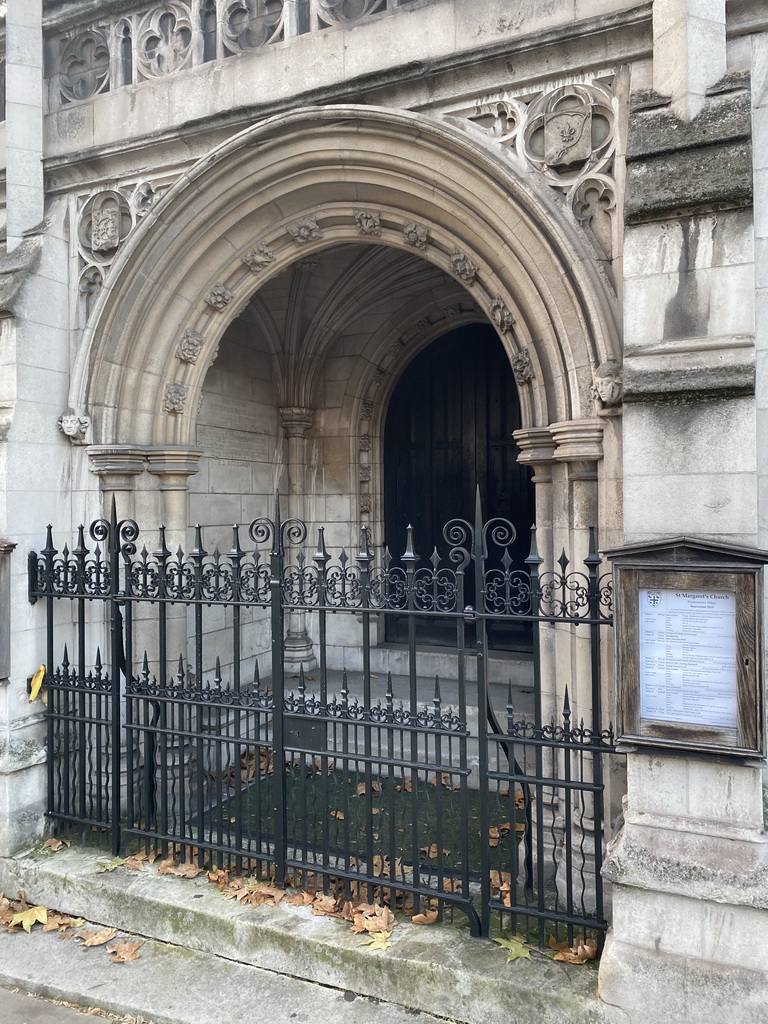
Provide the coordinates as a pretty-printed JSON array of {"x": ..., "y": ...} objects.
[{"x": 234, "y": 225}]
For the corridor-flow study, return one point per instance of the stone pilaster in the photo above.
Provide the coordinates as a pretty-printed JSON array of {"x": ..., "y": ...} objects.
[{"x": 296, "y": 421}]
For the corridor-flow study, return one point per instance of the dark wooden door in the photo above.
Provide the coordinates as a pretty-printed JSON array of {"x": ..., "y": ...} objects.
[{"x": 448, "y": 430}]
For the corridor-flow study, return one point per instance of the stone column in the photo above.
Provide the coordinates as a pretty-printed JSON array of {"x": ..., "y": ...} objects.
[
  {"x": 579, "y": 449},
  {"x": 296, "y": 421},
  {"x": 690, "y": 895},
  {"x": 172, "y": 465}
]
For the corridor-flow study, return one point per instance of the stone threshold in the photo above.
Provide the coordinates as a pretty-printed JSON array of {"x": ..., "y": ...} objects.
[{"x": 438, "y": 970}]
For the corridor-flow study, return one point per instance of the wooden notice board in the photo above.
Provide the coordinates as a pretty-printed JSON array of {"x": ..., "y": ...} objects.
[{"x": 689, "y": 651}]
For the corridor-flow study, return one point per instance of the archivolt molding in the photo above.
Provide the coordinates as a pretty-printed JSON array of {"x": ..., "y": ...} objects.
[{"x": 325, "y": 165}]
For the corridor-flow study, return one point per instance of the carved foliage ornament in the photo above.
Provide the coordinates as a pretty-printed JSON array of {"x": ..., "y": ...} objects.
[
  {"x": 463, "y": 266},
  {"x": 189, "y": 346},
  {"x": 415, "y": 235},
  {"x": 258, "y": 257},
  {"x": 522, "y": 367},
  {"x": 305, "y": 230},
  {"x": 368, "y": 222},
  {"x": 175, "y": 396},
  {"x": 500, "y": 315}
]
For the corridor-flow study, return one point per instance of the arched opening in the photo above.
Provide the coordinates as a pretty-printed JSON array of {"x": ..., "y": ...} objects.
[{"x": 448, "y": 433}]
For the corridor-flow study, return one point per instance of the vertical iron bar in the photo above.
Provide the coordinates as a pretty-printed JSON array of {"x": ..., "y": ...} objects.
[
  {"x": 593, "y": 562},
  {"x": 481, "y": 644},
  {"x": 278, "y": 696},
  {"x": 113, "y": 543}
]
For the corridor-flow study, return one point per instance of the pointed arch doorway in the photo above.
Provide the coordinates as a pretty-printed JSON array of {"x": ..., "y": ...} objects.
[{"x": 448, "y": 431}]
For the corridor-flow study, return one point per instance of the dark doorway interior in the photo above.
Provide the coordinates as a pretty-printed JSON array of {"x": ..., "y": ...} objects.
[{"x": 448, "y": 430}]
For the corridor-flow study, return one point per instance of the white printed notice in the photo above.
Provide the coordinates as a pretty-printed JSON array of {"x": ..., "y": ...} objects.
[{"x": 688, "y": 657}]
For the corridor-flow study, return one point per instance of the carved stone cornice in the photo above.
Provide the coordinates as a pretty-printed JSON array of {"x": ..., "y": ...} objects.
[{"x": 578, "y": 440}]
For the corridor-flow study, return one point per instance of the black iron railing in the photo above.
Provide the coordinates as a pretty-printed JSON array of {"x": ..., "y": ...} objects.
[{"x": 192, "y": 736}]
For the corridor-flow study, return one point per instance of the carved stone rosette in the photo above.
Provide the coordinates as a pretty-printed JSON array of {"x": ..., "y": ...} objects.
[
  {"x": 415, "y": 234},
  {"x": 219, "y": 296},
  {"x": 306, "y": 230}
]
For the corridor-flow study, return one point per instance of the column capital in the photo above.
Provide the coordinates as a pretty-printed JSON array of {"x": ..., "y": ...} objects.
[
  {"x": 174, "y": 464},
  {"x": 536, "y": 445},
  {"x": 116, "y": 465},
  {"x": 296, "y": 419},
  {"x": 578, "y": 440}
]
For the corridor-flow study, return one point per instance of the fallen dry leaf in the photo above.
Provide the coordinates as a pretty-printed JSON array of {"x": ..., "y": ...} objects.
[
  {"x": 428, "y": 917},
  {"x": 91, "y": 937},
  {"x": 338, "y": 814},
  {"x": 55, "y": 844},
  {"x": 29, "y": 917},
  {"x": 123, "y": 951},
  {"x": 378, "y": 940}
]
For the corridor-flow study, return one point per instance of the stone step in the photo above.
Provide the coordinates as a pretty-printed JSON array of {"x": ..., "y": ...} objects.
[{"x": 439, "y": 970}]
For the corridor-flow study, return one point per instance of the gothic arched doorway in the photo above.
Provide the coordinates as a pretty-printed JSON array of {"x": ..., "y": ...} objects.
[{"x": 449, "y": 431}]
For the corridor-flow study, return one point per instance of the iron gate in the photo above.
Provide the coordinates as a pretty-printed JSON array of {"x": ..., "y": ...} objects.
[{"x": 189, "y": 734}]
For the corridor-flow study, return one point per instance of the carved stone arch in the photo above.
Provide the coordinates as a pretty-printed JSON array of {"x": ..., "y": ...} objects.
[{"x": 184, "y": 267}]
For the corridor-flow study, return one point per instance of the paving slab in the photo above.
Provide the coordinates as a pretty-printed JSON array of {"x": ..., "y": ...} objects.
[
  {"x": 437, "y": 970},
  {"x": 171, "y": 985},
  {"x": 25, "y": 1008}
]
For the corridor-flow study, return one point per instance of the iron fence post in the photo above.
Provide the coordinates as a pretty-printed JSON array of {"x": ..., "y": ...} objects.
[{"x": 278, "y": 695}]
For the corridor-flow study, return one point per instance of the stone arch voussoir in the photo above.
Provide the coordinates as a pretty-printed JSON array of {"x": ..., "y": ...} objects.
[{"x": 318, "y": 177}]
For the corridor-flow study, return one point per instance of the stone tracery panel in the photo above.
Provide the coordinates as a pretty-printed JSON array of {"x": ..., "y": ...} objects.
[
  {"x": 168, "y": 36},
  {"x": 568, "y": 135}
]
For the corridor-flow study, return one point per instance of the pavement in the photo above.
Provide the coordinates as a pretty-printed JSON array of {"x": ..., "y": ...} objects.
[
  {"x": 209, "y": 960},
  {"x": 18, "y": 1007}
]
